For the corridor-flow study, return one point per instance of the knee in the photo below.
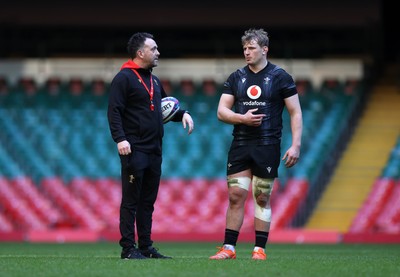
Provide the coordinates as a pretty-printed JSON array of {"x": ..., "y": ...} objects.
[
  {"x": 237, "y": 196},
  {"x": 262, "y": 200},
  {"x": 262, "y": 189}
]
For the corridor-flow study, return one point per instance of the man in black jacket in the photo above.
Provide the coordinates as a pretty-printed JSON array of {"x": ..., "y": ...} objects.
[{"x": 136, "y": 125}]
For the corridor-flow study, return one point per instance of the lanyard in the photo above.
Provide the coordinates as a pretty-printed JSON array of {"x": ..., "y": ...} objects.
[{"x": 151, "y": 91}]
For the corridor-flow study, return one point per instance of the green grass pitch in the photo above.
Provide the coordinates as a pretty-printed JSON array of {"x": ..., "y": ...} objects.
[{"x": 191, "y": 259}]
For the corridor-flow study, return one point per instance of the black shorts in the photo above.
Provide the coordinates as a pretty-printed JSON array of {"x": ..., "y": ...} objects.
[{"x": 263, "y": 160}]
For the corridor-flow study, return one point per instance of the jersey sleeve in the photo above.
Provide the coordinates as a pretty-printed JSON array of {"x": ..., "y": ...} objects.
[
  {"x": 228, "y": 87},
  {"x": 288, "y": 86}
]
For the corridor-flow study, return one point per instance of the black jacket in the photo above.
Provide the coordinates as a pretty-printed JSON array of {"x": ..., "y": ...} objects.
[{"x": 129, "y": 114}]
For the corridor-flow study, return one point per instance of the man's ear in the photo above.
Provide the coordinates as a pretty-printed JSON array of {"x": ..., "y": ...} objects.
[{"x": 139, "y": 53}]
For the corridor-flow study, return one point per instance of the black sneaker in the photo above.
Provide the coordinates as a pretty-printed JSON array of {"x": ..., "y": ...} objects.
[
  {"x": 152, "y": 252},
  {"x": 133, "y": 253}
]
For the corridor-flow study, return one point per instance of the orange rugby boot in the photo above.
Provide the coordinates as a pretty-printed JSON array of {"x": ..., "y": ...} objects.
[
  {"x": 224, "y": 254},
  {"x": 259, "y": 254}
]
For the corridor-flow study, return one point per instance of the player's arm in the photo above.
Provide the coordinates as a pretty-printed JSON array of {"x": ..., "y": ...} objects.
[
  {"x": 116, "y": 105},
  {"x": 296, "y": 124},
  {"x": 227, "y": 115}
]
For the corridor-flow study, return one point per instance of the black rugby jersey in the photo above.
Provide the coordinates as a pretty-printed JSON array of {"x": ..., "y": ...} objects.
[{"x": 265, "y": 90}]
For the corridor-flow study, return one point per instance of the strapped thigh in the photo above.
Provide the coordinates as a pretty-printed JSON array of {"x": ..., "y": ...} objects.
[{"x": 241, "y": 182}]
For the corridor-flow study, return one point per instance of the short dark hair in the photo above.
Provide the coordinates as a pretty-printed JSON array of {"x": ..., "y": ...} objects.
[
  {"x": 259, "y": 35},
  {"x": 136, "y": 41}
]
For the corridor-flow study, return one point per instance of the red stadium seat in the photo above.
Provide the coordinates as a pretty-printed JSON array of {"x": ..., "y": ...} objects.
[
  {"x": 372, "y": 206},
  {"x": 167, "y": 85},
  {"x": 187, "y": 87},
  {"x": 79, "y": 213},
  {"x": 351, "y": 86},
  {"x": 84, "y": 189},
  {"x": 37, "y": 201},
  {"x": 98, "y": 87},
  {"x": 209, "y": 87},
  {"x": 53, "y": 85},
  {"x": 27, "y": 85},
  {"x": 76, "y": 86},
  {"x": 304, "y": 86},
  {"x": 289, "y": 201},
  {"x": 110, "y": 188},
  {"x": 388, "y": 220},
  {"x": 18, "y": 209},
  {"x": 4, "y": 88},
  {"x": 5, "y": 224}
]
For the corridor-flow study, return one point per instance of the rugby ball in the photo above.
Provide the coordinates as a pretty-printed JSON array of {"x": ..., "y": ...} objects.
[{"x": 169, "y": 106}]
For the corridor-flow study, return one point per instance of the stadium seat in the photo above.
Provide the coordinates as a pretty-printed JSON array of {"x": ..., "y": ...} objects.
[
  {"x": 372, "y": 206},
  {"x": 6, "y": 99},
  {"x": 187, "y": 87},
  {"x": 209, "y": 87},
  {"x": 9, "y": 167},
  {"x": 98, "y": 95},
  {"x": 331, "y": 85},
  {"x": 110, "y": 189},
  {"x": 76, "y": 86},
  {"x": 4, "y": 86},
  {"x": 304, "y": 86},
  {"x": 392, "y": 168},
  {"x": 61, "y": 146},
  {"x": 53, "y": 85},
  {"x": 79, "y": 214},
  {"x": 388, "y": 220},
  {"x": 352, "y": 86},
  {"x": 17, "y": 208},
  {"x": 37, "y": 201},
  {"x": 27, "y": 85},
  {"x": 168, "y": 87},
  {"x": 290, "y": 200},
  {"x": 98, "y": 87},
  {"x": 6, "y": 224},
  {"x": 84, "y": 189}
]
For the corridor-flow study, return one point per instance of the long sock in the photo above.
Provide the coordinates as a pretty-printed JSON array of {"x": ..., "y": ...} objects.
[
  {"x": 231, "y": 237},
  {"x": 261, "y": 239}
]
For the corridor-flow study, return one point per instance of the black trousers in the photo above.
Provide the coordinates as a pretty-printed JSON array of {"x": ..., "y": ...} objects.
[{"x": 140, "y": 176}]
